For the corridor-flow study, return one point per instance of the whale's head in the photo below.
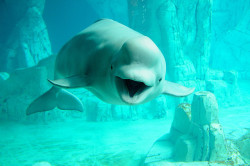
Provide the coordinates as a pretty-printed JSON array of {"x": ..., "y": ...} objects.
[{"x": 139, "y": 71}]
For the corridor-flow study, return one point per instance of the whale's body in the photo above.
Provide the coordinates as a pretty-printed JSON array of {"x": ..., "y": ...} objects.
[{"x": 114, "y": 62}]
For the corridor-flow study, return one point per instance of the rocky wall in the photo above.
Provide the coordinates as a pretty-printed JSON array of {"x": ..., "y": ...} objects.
[
  {"x": 25, "y": 39},
  {"x": 230, "y": 45}
]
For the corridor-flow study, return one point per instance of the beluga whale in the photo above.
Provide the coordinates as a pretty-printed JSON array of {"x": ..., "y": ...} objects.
[{"x": 117, "y": 64}]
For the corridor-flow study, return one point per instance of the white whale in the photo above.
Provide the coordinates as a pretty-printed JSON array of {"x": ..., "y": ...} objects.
[{"x": 114, "y": 62}]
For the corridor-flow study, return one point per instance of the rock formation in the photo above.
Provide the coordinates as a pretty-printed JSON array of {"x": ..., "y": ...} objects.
[
  {"x": 26, "y": 41},
  {"x": 16, "y": 92},
  {"x": 231, "y": 36},
  {"x": 21, "y": 86},
  {"x": 195, "y": 135},
  {"x": 243, "y": 144}
]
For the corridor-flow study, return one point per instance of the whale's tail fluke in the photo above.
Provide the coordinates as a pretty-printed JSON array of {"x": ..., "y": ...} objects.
[{"x": 55, "y": 97}]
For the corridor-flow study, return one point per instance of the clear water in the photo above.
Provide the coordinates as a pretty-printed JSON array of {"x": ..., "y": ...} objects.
[{"x": 211, "y": 45}]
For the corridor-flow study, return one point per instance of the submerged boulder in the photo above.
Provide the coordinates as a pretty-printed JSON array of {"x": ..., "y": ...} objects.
[
  {"x": 195, "y": 135},
  {"x": 26, "y": 41},
  {"x": 204, "y": 139}
]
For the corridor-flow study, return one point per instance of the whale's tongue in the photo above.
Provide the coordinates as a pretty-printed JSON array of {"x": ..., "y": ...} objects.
[{"x": 134, "y": 87}]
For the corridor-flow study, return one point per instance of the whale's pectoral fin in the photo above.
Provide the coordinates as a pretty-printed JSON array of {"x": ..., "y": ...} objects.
[
  {"x": 175, "y": 89},
  {"x": 55, "y": 97},
  {"x": 71, "y": 82}
]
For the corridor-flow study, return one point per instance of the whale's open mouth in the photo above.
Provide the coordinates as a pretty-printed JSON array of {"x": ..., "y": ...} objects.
[
  {"x": 134, "y": 87},
  {"x": 132, "y": 91}
]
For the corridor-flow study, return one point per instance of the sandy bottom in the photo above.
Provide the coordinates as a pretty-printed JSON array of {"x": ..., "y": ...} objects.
[
  {"x": 79, "y": 143},
  {"x": 122, "y": 143}
]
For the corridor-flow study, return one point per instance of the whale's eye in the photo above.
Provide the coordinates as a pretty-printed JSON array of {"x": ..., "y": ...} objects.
[
  {"x": 111, "y": 67},
  {"x": 160, "y": 79}
]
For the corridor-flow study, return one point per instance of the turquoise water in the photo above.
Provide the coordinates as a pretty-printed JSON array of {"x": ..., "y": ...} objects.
[{"x": 206, "y": 45}]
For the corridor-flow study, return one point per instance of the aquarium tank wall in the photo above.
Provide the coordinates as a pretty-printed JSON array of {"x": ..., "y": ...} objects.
[{"x": 206, "y": 45}]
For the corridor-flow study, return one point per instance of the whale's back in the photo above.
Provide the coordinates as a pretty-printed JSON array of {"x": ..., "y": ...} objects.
[{"x": 92, "y": 47}]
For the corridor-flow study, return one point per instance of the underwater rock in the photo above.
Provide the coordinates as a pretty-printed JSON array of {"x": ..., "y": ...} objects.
[
  {"x": 243, "y": 145},
  {"x": 172, "y": 44},
  {"x": 211, "y": 141},
  {"x": 201, "y": 49},
  {"x": 25, "y": 85},
  {"x": 225, "y": 87},
  {"x": 231, "y": 36},
  {"x": 184, "y": 72},
  {"x": 26, "y": 41},
  {"x": 204, "y": 109},
  {"x": 182, "y": 119},
  {"x": 195, "y": 134},
  {"x": 19, "y": 89},
  {"x": 179, "y": 66},
  {"x": 20, "y": 7},
  {"x": 19, "y": 82}
]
